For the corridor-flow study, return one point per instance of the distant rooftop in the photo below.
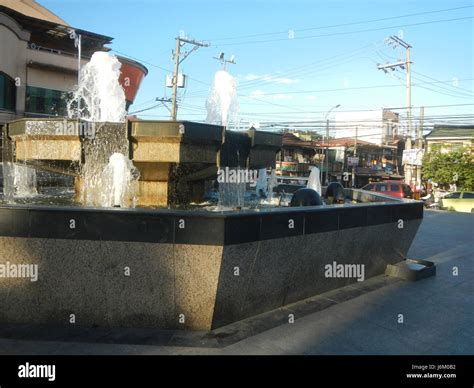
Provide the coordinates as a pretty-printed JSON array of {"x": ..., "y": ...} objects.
[
  {"x": 443, "y": 131},
  {"x": 32, "y": 9}
]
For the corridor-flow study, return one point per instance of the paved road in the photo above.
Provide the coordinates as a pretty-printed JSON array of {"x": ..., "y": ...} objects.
[{"x": 438, "y": 312}]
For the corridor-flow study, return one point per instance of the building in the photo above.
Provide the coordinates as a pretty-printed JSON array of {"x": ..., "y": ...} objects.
[
  {"x": 451, "y": 137},
  {"x": 297, "y": 156},
  {"x": 374, "y": 162},
  {"x": 377, "y": 127},
  {"x": 39, "y": 61},
  {"x": 369, "y": 161}
]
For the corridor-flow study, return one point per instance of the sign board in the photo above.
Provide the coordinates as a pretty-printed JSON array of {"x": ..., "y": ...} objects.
[
  {"x": 352, "y": 161},
  {"x": 413, "y": 157},
  {"x": 339, "y": 157},
  {"x": 289, "y": 166}
]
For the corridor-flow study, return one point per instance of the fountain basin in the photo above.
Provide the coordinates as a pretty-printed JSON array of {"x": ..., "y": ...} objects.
[
  {"x": 174, "y": 158},
  {"x": 263, "y": 146},
  {"x": 190, "y": 269}
]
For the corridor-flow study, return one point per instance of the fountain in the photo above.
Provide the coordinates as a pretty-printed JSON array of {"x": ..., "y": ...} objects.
[
  {"x": 165, "y": 263},
  {"x": 313, "y": 180},
  {"x": 222, "y": 105},
  {"x": 261, "y": 188},
  {"x": 19, "y": 181},
  {"x": 118, "y": 182},
  {"x": 99, "y": 97}
]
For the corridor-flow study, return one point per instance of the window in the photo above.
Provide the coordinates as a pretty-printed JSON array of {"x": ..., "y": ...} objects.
[
  {"x": 7, "y": 93},
  {"x": 381, "y": 188},
  {"x": 468, "y": 195},
  {"x": 454, "y": 195},
  {"x": 46, "y": 101},
  {"x": 395, "y": 188}
]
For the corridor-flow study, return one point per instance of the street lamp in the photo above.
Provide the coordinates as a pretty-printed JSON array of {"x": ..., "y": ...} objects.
[{"x": 327, "y": 144}]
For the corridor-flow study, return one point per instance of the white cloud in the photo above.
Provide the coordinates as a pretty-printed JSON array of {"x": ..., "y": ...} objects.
[
  {"x": 269, "y": 78},
  {"x": 258, "y": 93},
  {"x": 311, "y": 98}
]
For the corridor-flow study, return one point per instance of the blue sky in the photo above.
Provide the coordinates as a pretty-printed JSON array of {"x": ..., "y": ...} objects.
[{"x": 284, "y": 79}]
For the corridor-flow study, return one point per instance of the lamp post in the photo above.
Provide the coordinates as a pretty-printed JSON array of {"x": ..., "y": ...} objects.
[
  {"x": 77, "y": 44},
  {"x": 327, "y": 142}
]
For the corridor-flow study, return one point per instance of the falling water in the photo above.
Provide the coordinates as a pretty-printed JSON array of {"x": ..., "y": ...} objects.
[
  {"x": 222, "y": 108},
  {"x": 108, "y": 177},
  {"x": 272, "y": 182},
  {"x": 262, "y": 183},
  {"x": 313, "y": 180},
  {"x": 19, "y": 181},
  {"x": 119, "y": 182},
  {"x": 232, "y": 194},
  {"x": 222, "y": 105},
  {"x": 99, "y": 96}
]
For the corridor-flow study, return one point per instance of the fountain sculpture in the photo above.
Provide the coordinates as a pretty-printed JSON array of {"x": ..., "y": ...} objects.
[{"x": 163, "y": 264}]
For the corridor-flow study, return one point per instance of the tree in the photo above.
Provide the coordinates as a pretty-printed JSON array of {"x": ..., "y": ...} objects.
[{"x": 452, "y": 167}]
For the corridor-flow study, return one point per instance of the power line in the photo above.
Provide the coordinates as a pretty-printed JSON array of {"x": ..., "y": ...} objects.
[
  {"x": 453, "y": 86},
  {"x": 297, "y": 70},
  {"x": 446, "y": 92},
  {"x": 347, "y": 32},
  {"x": 341, "y": 25},
  {"x": 355, "y": 110},
  {"x": 142, "y": 61},
  {"x": 443, "y": 93},
  {"x": 335, "y": 58},
  {"x": 355, "y": 88}
]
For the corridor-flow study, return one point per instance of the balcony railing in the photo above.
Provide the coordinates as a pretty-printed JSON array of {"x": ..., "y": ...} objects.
[{"x": 33, "y": 46}]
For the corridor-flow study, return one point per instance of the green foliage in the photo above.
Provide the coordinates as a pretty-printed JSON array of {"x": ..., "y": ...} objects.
[{"x": 444, "y": 168}]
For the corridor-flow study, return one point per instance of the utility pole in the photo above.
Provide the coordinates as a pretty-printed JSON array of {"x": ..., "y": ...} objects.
[
  {"x": 327, "y": 142},
  {"x": 419, "y": 145},
  {"x": 327, "y": 152},
  {"x": 355, "y": 155},
  {"x": 177, "y": 61},
  {"x": 395, "y": 41},
  {"x": 77, "y": 44},
  {"x": 174, "y": 109}
]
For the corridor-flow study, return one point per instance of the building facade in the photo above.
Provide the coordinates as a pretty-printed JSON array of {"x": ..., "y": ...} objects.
[
  {"x": 297, "y": 155},
  {"x": 451, "y": 138},
  {"x": 39, "y": 61},
  {"x": 374, "y": 162},
  {"x": 379, "y": 127}
]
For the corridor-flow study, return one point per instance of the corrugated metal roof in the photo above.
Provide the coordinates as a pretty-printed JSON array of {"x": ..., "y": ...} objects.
[{"x": 462, "y": 131}]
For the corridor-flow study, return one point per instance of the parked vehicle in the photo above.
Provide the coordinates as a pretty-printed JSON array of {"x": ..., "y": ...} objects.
[
  {"x": 430, "y": 202},
  {"x": 396, "y": 189},
  {"x": 459, "y": 201}
]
